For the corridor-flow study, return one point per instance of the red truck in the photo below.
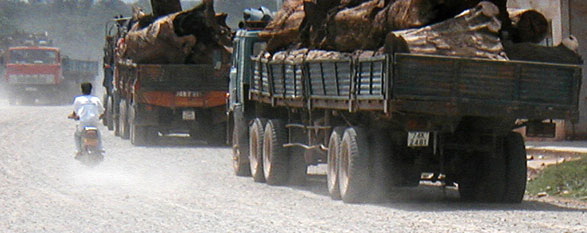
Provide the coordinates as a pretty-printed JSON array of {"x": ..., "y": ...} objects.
[
  {"x": 145, "y": 100},
  {"x": 36, "y": 72}
]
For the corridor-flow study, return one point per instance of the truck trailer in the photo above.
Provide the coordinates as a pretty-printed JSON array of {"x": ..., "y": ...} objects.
[{"x": 393, "y": 120}]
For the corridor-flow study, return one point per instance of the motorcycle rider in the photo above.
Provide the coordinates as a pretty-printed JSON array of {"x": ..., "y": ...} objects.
[{"x": 88, "y": 110}]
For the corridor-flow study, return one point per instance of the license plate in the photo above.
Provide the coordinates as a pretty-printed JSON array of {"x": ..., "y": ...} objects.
[
  {"x": 30, "y": 89},
  {"x": 189, "y": 115},
  {"x": 418, "y": 139}
]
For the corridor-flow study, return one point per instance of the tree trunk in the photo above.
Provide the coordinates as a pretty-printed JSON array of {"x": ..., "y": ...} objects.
[
  {"x": 165, "y": 7},
  {"x": 179, "y": 38},
  {"x": 528, "y": 25},
  {"x": 284, "y": 29},
  {"x": 532, "y": 52},
  {"x": 350, "y": 28},
  {"x": 474, "y": 33}
]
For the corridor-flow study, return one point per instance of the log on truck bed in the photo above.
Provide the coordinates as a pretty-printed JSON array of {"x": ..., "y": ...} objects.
[{"x": 438, "y": 85}]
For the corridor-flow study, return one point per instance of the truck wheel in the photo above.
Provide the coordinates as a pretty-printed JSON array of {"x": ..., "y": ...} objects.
[
  {"x": 240, "y": 149},
  {"x": 484, "y": 179},
  {"x": 383, "y": 173},
  {"x": 333, "y": 160},
  {"x": 138, "y": 134},
  {"x": 123, "y": 120},
  {"x": 353, "y": 171},
  {"x": 105, "y": 101},
  {"x": 516, "y": 168},
  {"x": 275, "y": 156},
  {"x": 109, "y": 113},
  {"x": 116, "y": 114},
  {"x": 298, "y": 168},
  {"x": 256, "y": 149}
]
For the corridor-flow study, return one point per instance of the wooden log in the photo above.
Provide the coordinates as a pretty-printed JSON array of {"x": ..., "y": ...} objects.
[
  {"x": 473, "y": 33},
  {"x": 313, "y": 28},
  {"x": 350, "y": 28},
  {"x": 183, "y": 37},
  {"x": 566, "y": 52},
  {"x": 528, "y": 25},
  {"x": 165, "y": 7},
  {"x": 284, "y": 29}
]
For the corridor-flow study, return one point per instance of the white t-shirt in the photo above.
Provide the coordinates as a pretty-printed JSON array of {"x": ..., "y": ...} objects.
[{"x": 88, "y": 108}]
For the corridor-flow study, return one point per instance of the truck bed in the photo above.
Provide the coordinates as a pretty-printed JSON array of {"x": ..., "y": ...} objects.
[
  {"x": 172, "y": 85},
  {"x": 172, "y": 77},
  {"x": 425, "y": 84}
]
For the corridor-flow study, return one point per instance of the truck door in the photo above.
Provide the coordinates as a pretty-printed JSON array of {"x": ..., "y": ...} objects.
[{"x": 234, "y": 84}]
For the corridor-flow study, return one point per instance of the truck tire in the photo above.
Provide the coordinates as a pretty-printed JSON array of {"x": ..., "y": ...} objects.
[
  {"x": 298, "y": 168},
  {"x": 109, "y": 113},
  {"x": 275, "y": 156},
  {"x": 240, "y": 149},
  {"x": 486, "y": 176},
  {"x": 383, "y": 173},
  {"x": 138, "y": 134},
  {"x": 123, "y": 120},
  {"x": 256, "y": 149},
  {"x": 333, "y": 160},
  {"x": 353, "y": 173},
  {"x": 116, "y": 113},
  {"x": 516, "y": 168},
  {"x": 105, "y": 101}
]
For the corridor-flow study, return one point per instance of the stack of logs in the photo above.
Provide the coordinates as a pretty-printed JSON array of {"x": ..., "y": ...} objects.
[
  {"x": 173, "y": 36},
  {"x": 467, "y": 28}
]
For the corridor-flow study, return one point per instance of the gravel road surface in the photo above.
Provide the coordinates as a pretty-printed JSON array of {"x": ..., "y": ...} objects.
[{"x": 179, "y": 188}]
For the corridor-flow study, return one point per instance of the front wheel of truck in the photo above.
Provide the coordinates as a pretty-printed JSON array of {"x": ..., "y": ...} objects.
[
  {"x": 240, "y": 149},
  {"x": 256, "y": 149}
]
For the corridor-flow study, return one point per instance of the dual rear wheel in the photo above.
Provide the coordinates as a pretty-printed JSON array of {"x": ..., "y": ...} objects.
[
  {"x": 269, "y": 160},
  {"x": 358, "y": 165}
]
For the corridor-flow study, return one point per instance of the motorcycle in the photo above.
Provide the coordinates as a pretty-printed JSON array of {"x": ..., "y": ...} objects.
[{"x": 91, "y": 153}]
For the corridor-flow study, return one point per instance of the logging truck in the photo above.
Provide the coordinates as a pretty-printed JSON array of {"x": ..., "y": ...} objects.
[
  {"x": 39, "y": 72},
  {"x": 393, "y": 120},
  {"x": 144, "y": 101}
]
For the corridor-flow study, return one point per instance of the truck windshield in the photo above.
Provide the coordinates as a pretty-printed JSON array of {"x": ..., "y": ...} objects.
[{"x": 33, "y": 56}]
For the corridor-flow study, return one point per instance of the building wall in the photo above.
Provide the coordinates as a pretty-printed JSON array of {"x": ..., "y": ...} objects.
[
  {"x": 577, "y": 26},
  {"x": 567, "y": 17}
]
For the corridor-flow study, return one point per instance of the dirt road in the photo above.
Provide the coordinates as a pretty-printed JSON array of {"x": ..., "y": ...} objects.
[{"x": 192, "y": 189}]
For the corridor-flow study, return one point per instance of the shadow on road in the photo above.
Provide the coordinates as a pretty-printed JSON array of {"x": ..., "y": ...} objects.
[{"x": 432, "y": 197}]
